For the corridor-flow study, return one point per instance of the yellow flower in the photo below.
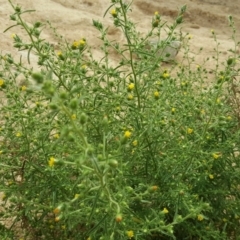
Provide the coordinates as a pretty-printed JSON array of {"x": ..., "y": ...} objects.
[
  {"x": 57, "y": 210},
  {"x": 184, "y": 84},
  {"x": 173, "y": 110},
  {"x": 130, "y": 234},
  {"x": 118, "y": 109},
  {"x": 113, "y": 12},
  {"x": 73, "y": 116},
  {"x": 216, "y": 155},
  {"x": 82, "y": 42},
  {"x": 211, "y": 176},
  {"x": 165, "y": 211},
  {"x": 127, "y": 134},
  {"x": 130, "y": 97},
  {"x": 221, "y": 77},
  {"x": 13, "y": 35},
  {"x": 135, "y": 143},
  {"x": 76, "y": 196},
  {"x": 51, "y": 162},
  {"x": 57, "y": 219},
  {"x": 189, "y": 130},
  {"x": 156, "y": 13},
  {"x": 131, "y": 86},
  {"x": 200, "y": 217},
  {"x": 75, "y": 44},
  {"x": 59, "y": 53},
  {"x": 18, "y": 134},
  {"x": 56, "y": 136},
  {"x": 165, "y": 75},
  {"x": 1, "y": 82},
  {"x": 23, "y": 88},
  {"x": 156, "y": 94},
  {"x": 78, "y": 44}
]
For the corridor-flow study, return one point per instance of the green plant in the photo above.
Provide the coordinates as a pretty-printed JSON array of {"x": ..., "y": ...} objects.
[{"x": 96, "y": 150}]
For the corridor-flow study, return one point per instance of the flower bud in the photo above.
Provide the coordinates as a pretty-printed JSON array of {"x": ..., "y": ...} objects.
[
  {"x": 83, "y": 118},
  {"x": 118, "y": 218},
  {"x": 113, "y": 163},
  {"x": 38, "y": 77},
  {"x": 73, "y": 104}
]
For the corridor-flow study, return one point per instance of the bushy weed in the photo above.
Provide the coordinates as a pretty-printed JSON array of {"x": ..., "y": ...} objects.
[{"x": 91, "y": 149}]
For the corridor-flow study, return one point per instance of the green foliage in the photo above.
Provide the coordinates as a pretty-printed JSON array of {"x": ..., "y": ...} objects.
[{"x": 96, "y": 150}]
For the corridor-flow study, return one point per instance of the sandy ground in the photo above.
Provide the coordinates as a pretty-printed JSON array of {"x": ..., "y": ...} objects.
[{"x": 73, "y": 20}]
